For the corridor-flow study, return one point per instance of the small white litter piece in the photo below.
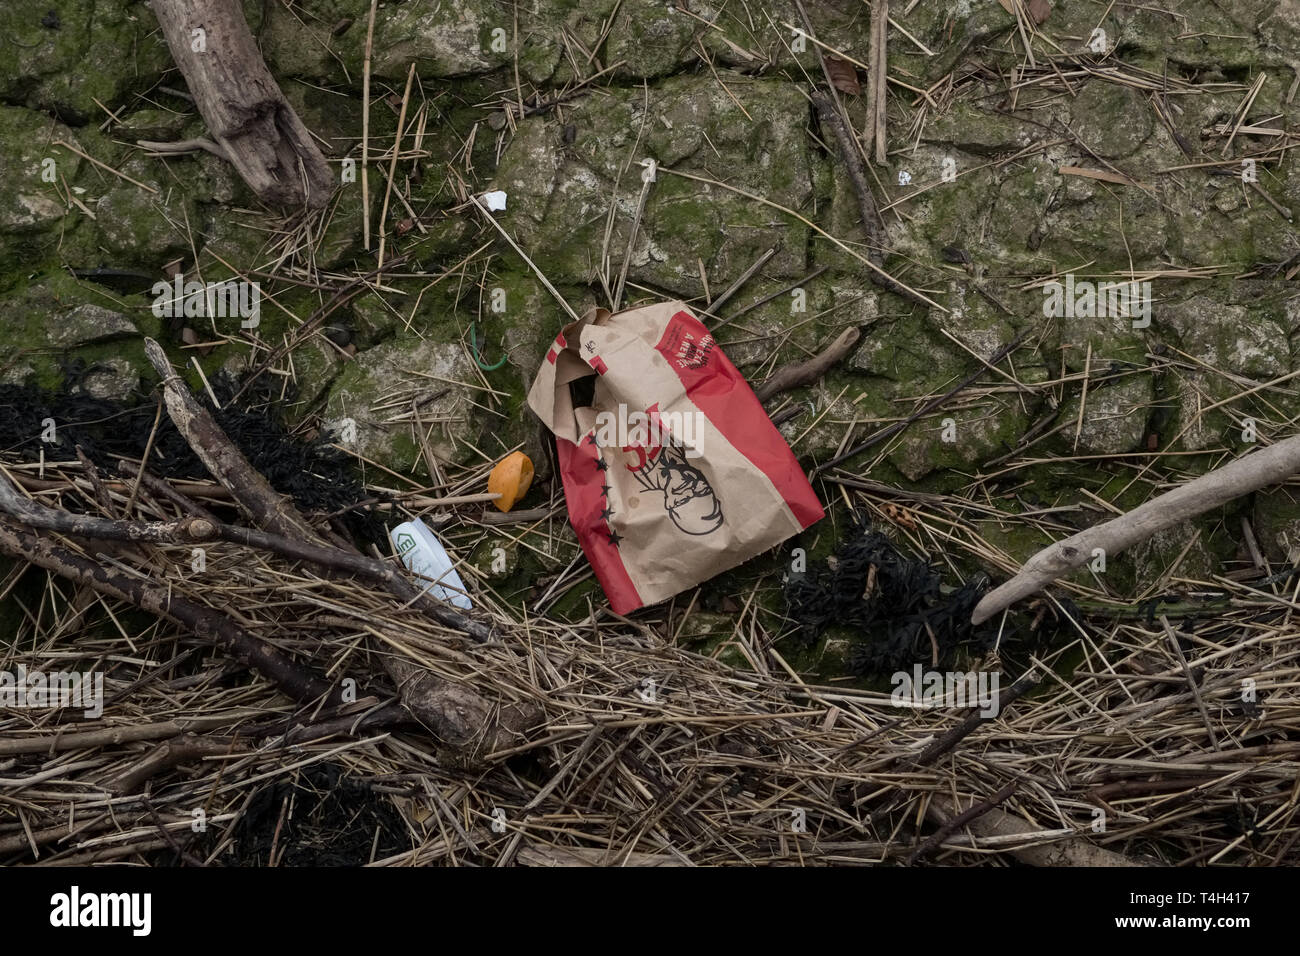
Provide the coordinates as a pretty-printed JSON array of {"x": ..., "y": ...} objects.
[
  {"x": 495, "y": 201},
  {"x": 423, "y": 554}
]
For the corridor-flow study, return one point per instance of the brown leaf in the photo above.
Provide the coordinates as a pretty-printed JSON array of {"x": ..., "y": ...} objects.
[
  {"x": 843, "y": 76},
  {"x": 1039, "y": 10}
]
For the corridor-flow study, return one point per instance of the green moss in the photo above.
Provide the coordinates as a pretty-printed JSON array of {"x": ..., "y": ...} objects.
[
  {"x": 102, "y": 50},
  {"x": 650, "y": 38}
]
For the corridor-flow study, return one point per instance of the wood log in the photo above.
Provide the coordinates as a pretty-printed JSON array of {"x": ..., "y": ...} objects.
[{"x": 245, "y": 111}]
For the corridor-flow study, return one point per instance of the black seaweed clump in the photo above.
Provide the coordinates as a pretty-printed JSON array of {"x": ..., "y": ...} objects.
[
  {"x": 319, "y": 478},
  {"x": 320, "y": 818},
  {"x": 895, "y": 616},
  {"x": 906, "y": 602}
]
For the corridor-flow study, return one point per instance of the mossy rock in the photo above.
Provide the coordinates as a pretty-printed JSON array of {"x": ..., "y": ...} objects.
[
  {"x": 138, "y": 228},
  {"x": 1114, "y": 419},
  {"x": 33, "y": 212},
  {"x": 788, "y": 328},
  {"x": 958, "y": 440},
  {"x": 1113, "y": 120},
  {"x": 495, "y": 558},
  {"x": 61, "y": 326},
  {"x": 651, "y": 39},
  {"x": 62, "y": 58},
  {"x": 381, "y": 385},
  {"x": 1276, "y": 522},
  {"x": 960, "y": 214},
  {"x": 978, "y": 132},
  {"x": 560, "y": 195}
]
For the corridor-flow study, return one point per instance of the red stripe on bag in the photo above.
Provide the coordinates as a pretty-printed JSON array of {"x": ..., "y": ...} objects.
[
  {"x": 719, "y": 390},
  {"x": 598, "y": 364},
  {"x": 584, "y": 485},
  {"x": 554, "y": 351}
]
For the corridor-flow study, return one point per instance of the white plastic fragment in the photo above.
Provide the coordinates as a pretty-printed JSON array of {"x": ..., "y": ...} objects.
[
  {"x": 495, "y": 200},
  {"x": 423, "y": 554}
]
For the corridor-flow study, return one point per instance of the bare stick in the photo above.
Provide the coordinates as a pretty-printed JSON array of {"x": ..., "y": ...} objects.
[
  {"x": 290, "y": 532},
  {"x": 963, "y": 818},
  {"x": 1191, "y": 680},
  {"x": 365, "y": 129},
  {"x": 715, "y": 304},
  {"x": 956, "y": 735},
  {"x": 1238, "y": 478},
  {"x": 471, "y": 725},
  {"x": 107, "y": 736},
  {"x": 392, "y": 163},
  {"x": 805, "y": 373},
  {"x": 205, "y": 623},
  {"x": 170, "y": 753},
  {"x": 264, "y": 504},
  {"x": 871, "y": 222},
  {"x": 877, "y": 104}
]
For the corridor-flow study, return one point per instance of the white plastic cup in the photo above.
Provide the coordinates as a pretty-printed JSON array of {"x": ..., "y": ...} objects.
[{"x": 423, "y": 554}]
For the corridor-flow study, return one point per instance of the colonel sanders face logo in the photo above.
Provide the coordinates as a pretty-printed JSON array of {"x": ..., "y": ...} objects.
[{"x": 688, "y": 496}]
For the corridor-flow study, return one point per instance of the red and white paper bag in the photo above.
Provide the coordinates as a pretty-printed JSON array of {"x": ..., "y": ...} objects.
[{"x": 673, "y": 473}]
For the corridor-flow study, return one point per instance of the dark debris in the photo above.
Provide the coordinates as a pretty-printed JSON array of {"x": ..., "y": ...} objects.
[
  {"x": 893, "y": 609},
  {"x": 319, "y": 478}
]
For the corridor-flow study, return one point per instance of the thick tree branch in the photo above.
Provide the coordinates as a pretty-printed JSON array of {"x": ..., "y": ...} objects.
[
  {"x": 1241, "y": 477},
  {"x": 245, "y": 111},
  {"x": 470, "y": 724}
]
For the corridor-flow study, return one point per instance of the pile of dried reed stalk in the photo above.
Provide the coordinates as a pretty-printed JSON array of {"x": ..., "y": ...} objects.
[{"x": 507, "y": 739}]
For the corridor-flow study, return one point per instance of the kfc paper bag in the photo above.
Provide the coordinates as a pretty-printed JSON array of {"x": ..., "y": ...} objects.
[{"x": 674, "y": 473}]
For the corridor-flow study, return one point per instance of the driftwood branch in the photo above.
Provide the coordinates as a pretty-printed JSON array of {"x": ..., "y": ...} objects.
[
  {"x": 992, "y": 822},
  {"x": 264, "y": 505},
  {"x": 807, "y": 372},
  {"x": 1241, "y": 477},
  {"x": 291, "y": 534},
  {"x": 243, "y": 107},
  {"x": 203, "y": 622},
  {"x": 468, "y": 723}
]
